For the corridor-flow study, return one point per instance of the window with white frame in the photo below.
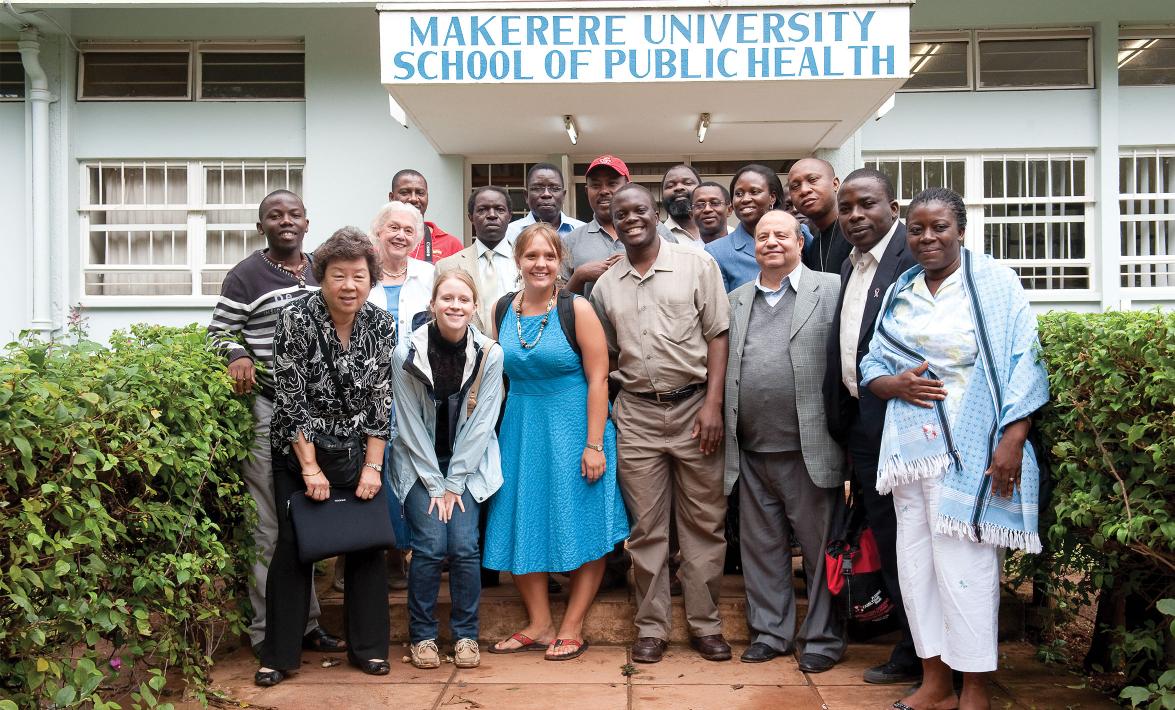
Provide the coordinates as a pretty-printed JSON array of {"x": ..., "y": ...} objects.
[
  {"x": 173, "y": 228},
  {"x": 186, "y": 71},
  {"x": 11, "y": 73},
  {"x": 1147, "y": 198},
  {"x": 1146, "y": 57},
  {"x": 1031, "y": 211},
  {"x": 987, "y": 60}
]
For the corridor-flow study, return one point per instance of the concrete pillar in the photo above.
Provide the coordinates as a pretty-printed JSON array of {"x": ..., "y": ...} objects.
[
  {"x": 846, "y": 158},
  {"x": 1106, "y": 254}
]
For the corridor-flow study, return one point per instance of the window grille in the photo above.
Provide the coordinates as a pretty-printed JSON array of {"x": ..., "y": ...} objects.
[
  {"x": 1031, "y": 211},
  {"x": 1147, "y": 200},
  {"x": 173, "y": 228}
]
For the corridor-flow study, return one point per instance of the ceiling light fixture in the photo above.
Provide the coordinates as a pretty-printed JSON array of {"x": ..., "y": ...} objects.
[
  {"x": 569, "y": 126},
  {"x": 703, "y": 124}
]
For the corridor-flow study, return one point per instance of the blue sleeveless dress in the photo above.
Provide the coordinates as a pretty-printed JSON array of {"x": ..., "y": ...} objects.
[{"x": 546, "y": 517}]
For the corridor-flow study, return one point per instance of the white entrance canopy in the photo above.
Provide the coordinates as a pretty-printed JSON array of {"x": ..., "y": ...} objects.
[{"x": 523, "y": 76}]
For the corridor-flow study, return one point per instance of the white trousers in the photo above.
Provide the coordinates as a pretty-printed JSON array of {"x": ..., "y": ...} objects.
[{"x": 950, "y": 587}]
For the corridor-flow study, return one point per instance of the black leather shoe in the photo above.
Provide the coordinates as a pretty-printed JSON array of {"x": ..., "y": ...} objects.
[
  {"x": 761, "y": 652},
  {"x": 649, "y": 649},
  {"x": 268, "y": 679},
  {"x": 372, "y": 667},
  {"x": 711, "y": 648},
  {"x": 890, "y": 673},
  {"x": 323, "y": 642},
  {"x": 815, "y": 663}
]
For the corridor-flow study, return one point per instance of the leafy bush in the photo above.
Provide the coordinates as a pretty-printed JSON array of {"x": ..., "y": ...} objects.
[
  {"x": 123, "y": 521},
  {"x": 1111, "y": 430}
]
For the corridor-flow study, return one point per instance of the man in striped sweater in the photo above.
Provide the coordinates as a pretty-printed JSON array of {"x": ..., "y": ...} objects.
[{"x": 252, "y": 295}]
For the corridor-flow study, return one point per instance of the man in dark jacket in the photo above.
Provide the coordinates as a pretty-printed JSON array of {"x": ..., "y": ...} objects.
[{"x": 868, "y": 218}]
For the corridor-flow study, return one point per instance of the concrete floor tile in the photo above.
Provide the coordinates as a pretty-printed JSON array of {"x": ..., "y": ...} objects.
[
  {"x": 682, "y": 666},
  {"x": 599, "y": 664},
  {"x": 522, "y": 696},
  {"x": 724, "y": 697},
  {"x": 857, "y": 658},
  {"x": 293, "y": 695},
  {"x": 855, "y": 697}
]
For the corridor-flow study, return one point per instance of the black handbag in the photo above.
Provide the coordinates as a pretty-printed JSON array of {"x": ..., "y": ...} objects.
[{"x": 340, "y": 524}]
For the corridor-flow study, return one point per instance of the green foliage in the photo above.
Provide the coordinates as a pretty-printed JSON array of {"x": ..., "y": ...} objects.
[
  {"x": 124, "y": 539},
  {"x": 1110, "y": 428}
]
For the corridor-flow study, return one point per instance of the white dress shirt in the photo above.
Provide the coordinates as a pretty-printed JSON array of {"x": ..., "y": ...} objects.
[
  {"x": 793, "y": 282},
  {"x": 853, "y": 311},
  {"x": 503, "y": 278}
]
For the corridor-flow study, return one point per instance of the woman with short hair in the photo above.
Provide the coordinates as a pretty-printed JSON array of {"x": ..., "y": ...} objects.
[
  {"x": 332, "y": 329},
  {"x": 957, "y": 356},
  {"x": 447, "y": 379}
]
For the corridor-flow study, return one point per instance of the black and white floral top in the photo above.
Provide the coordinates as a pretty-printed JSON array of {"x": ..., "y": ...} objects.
[{"x": 306, "y": 399}]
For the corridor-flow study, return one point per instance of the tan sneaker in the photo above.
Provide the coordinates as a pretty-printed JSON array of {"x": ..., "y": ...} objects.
[
  {"x": 466, "y": 654},
  {"x": 426, "y": 654}
]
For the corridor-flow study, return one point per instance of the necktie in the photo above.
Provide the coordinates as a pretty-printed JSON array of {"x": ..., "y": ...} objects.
[{"x": 489, "y": 295}]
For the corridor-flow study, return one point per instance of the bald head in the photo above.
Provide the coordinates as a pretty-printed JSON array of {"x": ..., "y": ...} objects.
[
  {"x": 812, "y": 185},
  {"x": 778, "y": 243}
]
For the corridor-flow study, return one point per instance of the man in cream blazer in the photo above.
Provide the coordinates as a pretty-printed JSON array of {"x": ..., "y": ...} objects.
[
  {"x": 789, "y": 468},
  {"x": 490, "y": 259}
]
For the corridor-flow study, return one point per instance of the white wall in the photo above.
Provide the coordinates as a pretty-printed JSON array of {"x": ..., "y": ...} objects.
[
  {"x": 351, "y": 144},
  {"x": 14, "y": 290}
]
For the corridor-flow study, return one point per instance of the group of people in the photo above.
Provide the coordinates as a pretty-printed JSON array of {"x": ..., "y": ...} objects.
[{"x": 566, "y": 397}]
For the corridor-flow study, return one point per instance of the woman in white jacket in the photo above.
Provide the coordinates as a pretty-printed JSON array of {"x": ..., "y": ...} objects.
[{"x": 447, "y": 384}]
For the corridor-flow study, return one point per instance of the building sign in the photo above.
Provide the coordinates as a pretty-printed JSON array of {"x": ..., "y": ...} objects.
[{"x": 636, "y": 46}]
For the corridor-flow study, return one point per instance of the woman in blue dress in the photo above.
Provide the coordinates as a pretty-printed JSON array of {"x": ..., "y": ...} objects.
[{"x": 559, "y": 508}]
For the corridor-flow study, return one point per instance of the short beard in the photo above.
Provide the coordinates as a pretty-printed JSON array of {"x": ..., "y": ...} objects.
[{"x": 678, "y": 208}]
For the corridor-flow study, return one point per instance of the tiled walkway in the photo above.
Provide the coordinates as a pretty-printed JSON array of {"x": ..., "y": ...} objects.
[{"x": 596, "y": 681}]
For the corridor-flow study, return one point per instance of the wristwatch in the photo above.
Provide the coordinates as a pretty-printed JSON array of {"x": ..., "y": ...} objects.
[
  {"x": 377, "y": 467},
  {"x": 598, "y": 447}
]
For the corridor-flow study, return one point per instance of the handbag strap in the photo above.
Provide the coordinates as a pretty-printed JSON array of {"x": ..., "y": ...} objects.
[{"x": 334, "y": 374}]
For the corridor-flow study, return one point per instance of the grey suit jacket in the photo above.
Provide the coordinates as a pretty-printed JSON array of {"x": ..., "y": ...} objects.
[{"x": 810, "y": 328}]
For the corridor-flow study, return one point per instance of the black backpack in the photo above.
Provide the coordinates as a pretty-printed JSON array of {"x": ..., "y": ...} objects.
[{"x": 563, "y": 306}]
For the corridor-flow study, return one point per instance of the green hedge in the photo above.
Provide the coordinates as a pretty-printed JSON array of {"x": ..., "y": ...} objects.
[
  {"x": 1110, "y": 427},
  {"x": 123, "y": 543}
]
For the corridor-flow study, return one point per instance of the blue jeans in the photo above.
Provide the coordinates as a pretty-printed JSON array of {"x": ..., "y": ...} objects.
[{"x": 432, "y": 542}]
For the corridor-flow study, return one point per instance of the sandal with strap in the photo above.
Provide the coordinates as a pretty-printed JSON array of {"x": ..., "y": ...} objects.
[
  {"x": 580, "y": 647},
  {"x": 527, "y": 644}
]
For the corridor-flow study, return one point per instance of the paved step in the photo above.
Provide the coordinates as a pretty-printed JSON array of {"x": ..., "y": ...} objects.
[{"x": 609, "y": 621}]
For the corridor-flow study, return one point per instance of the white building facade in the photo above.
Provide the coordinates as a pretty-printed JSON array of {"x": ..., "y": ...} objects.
[{"x": 137, "y": 138}]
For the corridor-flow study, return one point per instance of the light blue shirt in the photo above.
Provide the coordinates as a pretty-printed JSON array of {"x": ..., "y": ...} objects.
[
  {"x": 393, "y": 296},
  {"x": 735, "y": 254},
  {"x": 791, "y": 281},
  {"x": 566, "y": 225}
]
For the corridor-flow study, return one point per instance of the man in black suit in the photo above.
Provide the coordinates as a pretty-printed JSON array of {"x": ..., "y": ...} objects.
[{"x": 868, "y": 217}]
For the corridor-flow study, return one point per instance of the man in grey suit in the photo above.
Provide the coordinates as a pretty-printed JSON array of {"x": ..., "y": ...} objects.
[{"x": 791, "y": 468}]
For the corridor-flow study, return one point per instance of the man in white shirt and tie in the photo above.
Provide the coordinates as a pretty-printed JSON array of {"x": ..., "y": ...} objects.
[{"x": 490, "y": 260}]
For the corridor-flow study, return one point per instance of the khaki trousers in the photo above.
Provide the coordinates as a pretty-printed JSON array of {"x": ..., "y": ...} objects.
[{"x": 660, "y": 466}]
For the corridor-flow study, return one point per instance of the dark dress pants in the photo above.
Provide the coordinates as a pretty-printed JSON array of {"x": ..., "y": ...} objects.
[
  {"x": 287, "y": 589},
  {"x": 880, "y": 515}
]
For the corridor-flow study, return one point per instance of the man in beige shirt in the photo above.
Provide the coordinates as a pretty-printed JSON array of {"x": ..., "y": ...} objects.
[{"x": 665, "y": 315}]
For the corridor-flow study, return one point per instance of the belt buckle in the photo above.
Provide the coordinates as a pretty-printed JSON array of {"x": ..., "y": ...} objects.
[{"x": 657, "y": 395}]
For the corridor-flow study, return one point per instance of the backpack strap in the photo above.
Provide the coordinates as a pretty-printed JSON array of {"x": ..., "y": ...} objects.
[
  {"x": 501, "y": 308},
  {"x": 475, "y": 386},
  {"x": 565, "y": 307}
]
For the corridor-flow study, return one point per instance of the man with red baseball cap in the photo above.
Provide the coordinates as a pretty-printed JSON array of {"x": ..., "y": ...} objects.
[{"x": 592, "y": 248}]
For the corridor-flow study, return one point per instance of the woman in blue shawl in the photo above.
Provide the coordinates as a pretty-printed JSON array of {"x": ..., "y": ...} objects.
[{"x": 955, "y": 353}]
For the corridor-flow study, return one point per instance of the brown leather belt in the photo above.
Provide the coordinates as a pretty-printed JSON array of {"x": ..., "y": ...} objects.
[{"x": 665, "y": 397}]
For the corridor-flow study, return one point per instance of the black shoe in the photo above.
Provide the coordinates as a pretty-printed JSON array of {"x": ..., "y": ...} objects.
[
  {"x": 760, "y": 652},
  {"x": 323, "y": 642},
  {"x": 890, "y": 673},
  {"x": 815, "y": 663},
  {"x": 268, "y": 679},
  {"x": 372, "y": 667}
]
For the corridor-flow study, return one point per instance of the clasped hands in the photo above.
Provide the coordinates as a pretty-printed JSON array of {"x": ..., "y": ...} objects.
[
  {"x": 318, "y": 487},
  {"x": 444, "y": 506}
]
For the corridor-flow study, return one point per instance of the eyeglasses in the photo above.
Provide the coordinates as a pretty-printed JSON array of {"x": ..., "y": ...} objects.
[
  {"x": 714, "y": 204},
  {"x": 540, "y": 189}
]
